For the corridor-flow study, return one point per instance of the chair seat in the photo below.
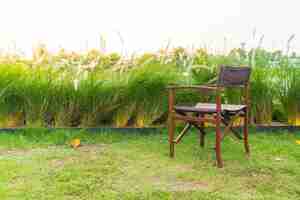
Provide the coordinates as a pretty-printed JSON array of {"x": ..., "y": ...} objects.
[{"x": 209, "y": 108}]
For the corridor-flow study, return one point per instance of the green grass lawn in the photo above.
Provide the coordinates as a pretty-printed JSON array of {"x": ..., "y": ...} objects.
[{"x": 37, "y": 165}]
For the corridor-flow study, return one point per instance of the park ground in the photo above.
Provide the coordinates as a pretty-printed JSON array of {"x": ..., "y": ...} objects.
[{"x": 38, "y": 165}]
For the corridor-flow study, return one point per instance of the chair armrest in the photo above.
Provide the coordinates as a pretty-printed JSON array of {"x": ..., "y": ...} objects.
[
  {"x": 202, "y": 88},
  {"x": 193, "y": 87}
]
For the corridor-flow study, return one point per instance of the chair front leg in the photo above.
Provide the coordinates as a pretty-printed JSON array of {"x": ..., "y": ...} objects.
[
  {"x": 201, "y": 132},
  {"x": 218, "y": 132},
  {"x": 218, "y": 145},
  {"x": 171, "y": 122},
  {"x": 171, "y": 129}
]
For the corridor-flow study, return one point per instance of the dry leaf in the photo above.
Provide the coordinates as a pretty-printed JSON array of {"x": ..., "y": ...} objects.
[{"x": 75, "y": 143}]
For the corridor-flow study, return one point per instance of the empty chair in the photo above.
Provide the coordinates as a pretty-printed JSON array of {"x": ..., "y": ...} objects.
[{"x": 215, "y": 113}]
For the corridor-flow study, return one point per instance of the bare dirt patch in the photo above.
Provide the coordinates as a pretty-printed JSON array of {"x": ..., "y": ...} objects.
[
  {"x": 89, "y": 152},
  {"x": 86, "y": 148},
  {"x": 91, "y": 148},
  {"x": 175, "y": 185},
  {"x": 187, "y": 186}
]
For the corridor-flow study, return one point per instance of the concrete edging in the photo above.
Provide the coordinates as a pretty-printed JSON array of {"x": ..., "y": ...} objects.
[{"x": 147, "y": 130}]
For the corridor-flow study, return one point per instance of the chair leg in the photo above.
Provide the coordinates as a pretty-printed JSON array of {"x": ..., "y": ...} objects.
[
  {"x": 246, "y": 124},
  {"x": 202, "y": 139},
  {"x": 171, "y": 129},
  {"x": 201, "y": 133},
  {"x": 228, "y": 122},
  {"x": 182, "y": 133},
  {"x": 218, "y": 145}
]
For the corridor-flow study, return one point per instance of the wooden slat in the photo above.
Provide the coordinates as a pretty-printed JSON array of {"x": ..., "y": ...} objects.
[
  {"x": 197, "y": 87},
  {"x": 194, "y": 119}
]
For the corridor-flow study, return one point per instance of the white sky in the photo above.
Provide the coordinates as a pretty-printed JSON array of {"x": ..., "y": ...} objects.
[{"x": 147, "y": 25}]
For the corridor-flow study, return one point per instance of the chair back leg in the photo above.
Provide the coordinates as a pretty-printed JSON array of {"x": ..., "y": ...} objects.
[
  {"x": 218, "y": 143},
  {"x": 202, "y": 139},
  {"x": 171, "y": 121},
  {"x": 246, "y": 129},
  {"x": 171, "y": 130}
]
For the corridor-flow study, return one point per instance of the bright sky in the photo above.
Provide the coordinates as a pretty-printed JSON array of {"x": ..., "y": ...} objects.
[{"x": 147, "y": 25}]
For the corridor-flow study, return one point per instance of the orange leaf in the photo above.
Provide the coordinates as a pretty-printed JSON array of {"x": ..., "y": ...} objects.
[{"x": 75, "y": 143}]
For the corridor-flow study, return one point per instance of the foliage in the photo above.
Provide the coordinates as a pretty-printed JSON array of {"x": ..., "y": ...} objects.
[{"x": 105, "y": 89}]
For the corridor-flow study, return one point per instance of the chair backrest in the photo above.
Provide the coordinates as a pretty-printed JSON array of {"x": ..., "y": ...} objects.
[{"x": 231, "y": 76}]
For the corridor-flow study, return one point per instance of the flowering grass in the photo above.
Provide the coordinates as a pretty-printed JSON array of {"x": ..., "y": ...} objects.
[{"x": 95, "y": 88}]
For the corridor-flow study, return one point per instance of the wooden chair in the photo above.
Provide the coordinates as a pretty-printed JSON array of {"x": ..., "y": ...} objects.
[{"x": 215, "y": 113}]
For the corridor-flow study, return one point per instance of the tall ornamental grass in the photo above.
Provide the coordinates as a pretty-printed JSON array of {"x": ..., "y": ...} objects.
[{"x": 94, "y": 89}]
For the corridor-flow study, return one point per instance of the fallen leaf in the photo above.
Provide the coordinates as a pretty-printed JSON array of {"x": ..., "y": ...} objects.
[{"x": 75, "y": 143}]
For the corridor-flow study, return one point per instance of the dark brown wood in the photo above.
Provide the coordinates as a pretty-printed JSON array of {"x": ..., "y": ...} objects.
[
  {"x": 246, "y": 121},
  {"x": 229, "y": 122},
  {"x": 208, "y": 108},
  {"x": 197, "y": 120},
  {"x": 197, "y": 87},
  {"x": 201, "y": 132},
  {"x": 215, "y": 113},
  {"x": 246, "y": 144},
  {"x": 218, "y": 131},
  {"x": 183, "y": 132},
  {"x": 231, "y": 76},
  {"x": 171, "y": 123},
  {"x": 202, "y": 139}
]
